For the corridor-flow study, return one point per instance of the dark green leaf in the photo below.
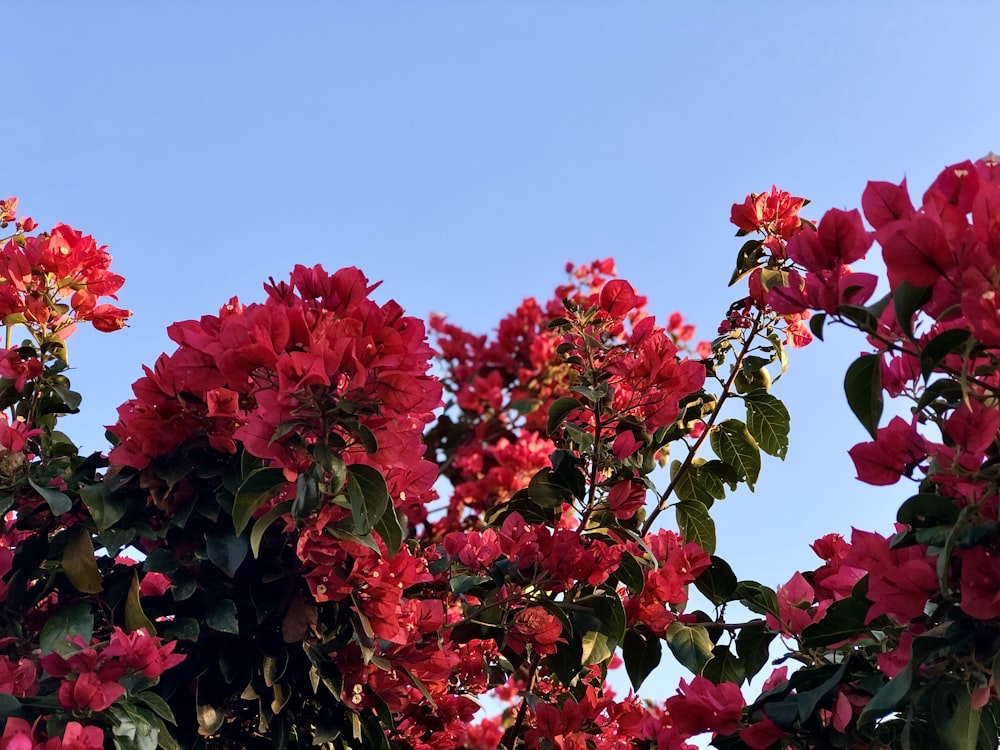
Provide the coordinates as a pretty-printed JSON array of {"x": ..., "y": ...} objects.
[
  {"x": 906, "y": 300},
  {"x": 863, "y": 387},
  {"x": 696, "y": 525},
  {"x": 753, "y": 646},
  {"x": 262, "y": 524},
  {"x": 559, "y": 410},
  {"x": 888, "y": 698},
  {"x": 367, "y": 438},
  {"x": 642, "y": 652},
  {"x": 690, "y": 645},
  {"x": 816, "y": 325},
  {"x": 221, "y": 616},
  {"x": 808, "y": 699},
  {"x": 844, "y": 619},
  {"x": 390, "y": 530},
  {"x": 369, "y": 496},
  {"x": 747, "y": 259},
  {"x": 717, "y": 582},
  {"x": 736, "y": 446},
  {"x": 768, "y": 422},
  {"x": 76, "y": 620},
  {"x": 462, "y": 584},
  {"x": 927, "y": 510},
  {"x": 546, "y": 489},
  {"x": 105, "y": 507},
  {"x": 863, "y": 317},
  {"x": 59, "y": 502},
  {"x": 630, "y": 573},
  {"x": 259, "y": 487},
  {"x": 724, "y": 667},
  {"x": 611, "y": 613},
  {"x": 227, "y": 551},
  {"x": 183, "y": 629},
  {"x": 757, "y": 598},
  {"x": 9, "y": 706},
  {"x": 941, "y": 346}
]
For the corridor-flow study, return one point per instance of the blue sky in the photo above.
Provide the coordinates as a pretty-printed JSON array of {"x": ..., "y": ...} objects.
[{"x": 464, "y": 151}]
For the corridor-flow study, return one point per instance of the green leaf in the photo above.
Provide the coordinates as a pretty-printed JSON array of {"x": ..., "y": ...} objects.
[
  {"x": 724, "y": 667},
  {"x": 736, "y": 446},
  {"x": 927, "y": 510},
  {"x": 77, "y": 620},
  {"x": 559, "y": 410},
  {"x": 259, "y": 487},
  {"x": 940, "y": 347},
  {"x": 105, "y": 507},
  {"x": 221, "y": 616},
  {"x": 906, "y": 300},
  {"x": 367, "y": 438},
  {"x": 596, "y": 648},
  {"x": 717, "y": 582},
  {"x": 642, "y": 652},
  {"x": 753, "y": 644},
  {"x": 808, "y": 699},
  {"x": 369, "y": 496},
  {"x": 183, "y": 629},
  {"x": 262, "y": 524},
  {"x": 630, "y": 573},
  {"x": 546, "y": 490},
  {"x": 79, "y": 563},
  {"x": 135, "y": 618},
  {"x": 227, "y": 551},
  {"x": 816, "y": 325},
  {"x": 695, "y": 483},
  {"x": 690, "y": 645},
  {"x": 768, "y": 422},
  {"x": 889, "y": 697},
  {"x": 59, "y": 502},
  {"x": 611, "y": 612},
  {"x": 757, "y": 598},
  {"x": 9, "y": 706},
  {"x": 844, "y": 619},
  {"x": 863, "y": 317},
  {"x": 390, "y": 530},
  {"x": 747, "y": 259},
  {"x": 373, "y": 734},
  {"x": 863, "y": 387},
  {"x": 157, "y": 704},
  {"x": 953, "y": 718},
  {"x": 696, "y": 525},
  {"x": 133, "y": 728}
]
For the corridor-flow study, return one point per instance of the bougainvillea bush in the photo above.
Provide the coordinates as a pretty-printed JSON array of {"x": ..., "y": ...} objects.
[{"x": 322, "y": 522}]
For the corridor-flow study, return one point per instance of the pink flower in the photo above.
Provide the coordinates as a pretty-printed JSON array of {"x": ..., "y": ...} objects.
[{"x": 703, "y": 706}]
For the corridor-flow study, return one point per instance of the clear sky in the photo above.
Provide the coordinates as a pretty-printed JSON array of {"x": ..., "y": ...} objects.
[{"x": 464, "y": 151}]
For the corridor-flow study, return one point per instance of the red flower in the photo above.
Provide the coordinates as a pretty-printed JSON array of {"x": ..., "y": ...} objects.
[
  {"x": 89, "y": 691},
  {"x": 774, "y": 212},
  {"x": 981, "y": 583},
  {"x": 535, "y": 627}
]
